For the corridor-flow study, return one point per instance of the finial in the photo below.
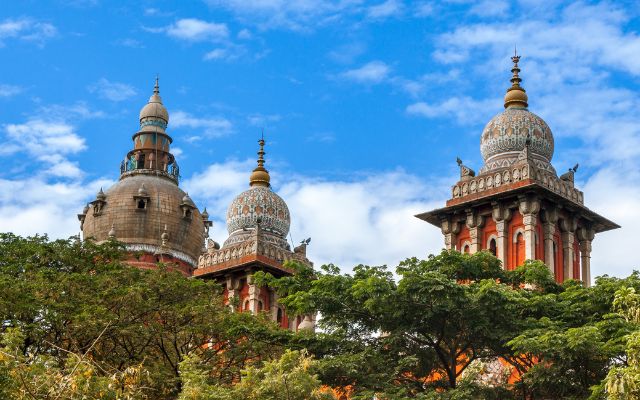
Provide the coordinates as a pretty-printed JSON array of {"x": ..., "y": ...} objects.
[
  {"x": 516, "y": 95},
  {"x": 156, "y": 88},
  {"x": 260, "y": 176},
  {"x": 164, "y": 237},
  {"x": 112, "y": 232}
]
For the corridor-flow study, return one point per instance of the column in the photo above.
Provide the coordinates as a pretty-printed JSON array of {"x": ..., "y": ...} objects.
[
  {"x": 450, "y": 230},
  {"x": 585, "y": 235},
  {"x": 474, "y": 223},
  {"x": 232, "y": 286},
  {"x": 550, "y": 219},
  {"x": 529, "y": 207},
  {"x": 568, "y": 227},
  {"x": 254, "y": 295},
  {"x": 501, "y": 215}
]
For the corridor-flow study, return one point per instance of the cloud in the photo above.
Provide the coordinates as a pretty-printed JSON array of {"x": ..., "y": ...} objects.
[
  {"x": 261, "y": 120},
  {"x": 197, "y": 30},
  {"x": 490, "y": 8},
  {"x": 386, "y": 9},
  {"x": 297, "y": 15},
  {"x": 129, "y": 42},
  {"x": 26, "y": 29},
  {"x": 10, "y": 90},
  {"x": 365, "y": 220},
  {"x": 371, "y": 73},
  {"x": 464, "y": 109},
  {"x": 114, "y": 91},
  {"x": 35, "y": 205},
  {"x": 207, "y": 126}
]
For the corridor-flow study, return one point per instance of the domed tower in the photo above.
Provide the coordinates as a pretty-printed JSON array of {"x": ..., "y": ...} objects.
[
  {"x": 517, "y": 207},
  {"x": 146, "y": 209},
  {"x": 258, "y": 223}
]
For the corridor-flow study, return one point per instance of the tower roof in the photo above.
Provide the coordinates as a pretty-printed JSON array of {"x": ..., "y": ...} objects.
[
  {"x": 516, "y": 95},
  {"x": 260, "y": 176},
  {"x": 154, "y": 116}
]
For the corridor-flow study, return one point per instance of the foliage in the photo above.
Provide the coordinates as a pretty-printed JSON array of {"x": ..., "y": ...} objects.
[
  {"x": 289, "y": 378},
  {"x": 68, "y": 297}
]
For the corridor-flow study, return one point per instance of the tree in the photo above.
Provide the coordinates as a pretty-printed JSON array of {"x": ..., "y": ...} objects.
[
  {"x": 417, "y": 334},
  {"x": 289, "y": 378},
  {"x": 71, "y": 297}
]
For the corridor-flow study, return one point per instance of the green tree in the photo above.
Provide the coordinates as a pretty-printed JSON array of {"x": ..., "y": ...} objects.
[{"x": 289, "y": 378}]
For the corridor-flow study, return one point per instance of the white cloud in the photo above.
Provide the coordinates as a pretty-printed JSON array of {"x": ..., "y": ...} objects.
[
  {"x": 490, "y": 8},
  {"x": 35, "y": 205},
  {"x": 114, "y": 91},
  {"x": 10, "y": 90},
  {"x": 371, "y": 73},
  {"x": 386, "y": 9},
  {"x": 197, "y": 30},
  {"x": 465, "y": 109},
  {"x": 26, "y": 29},
  {"x": 205, "y": 126},
  {"x": 297, "y": 15},
  {"x": 365, "y": 220},
  {"x": 261, "y": 120}
]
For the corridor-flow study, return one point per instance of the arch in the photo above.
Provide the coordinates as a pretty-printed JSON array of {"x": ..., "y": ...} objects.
[
  {"x": 492, "y": 244},
  {"x": 466, "y": 248},
  {"x": 279, "y": 315},
  {"x": 520, "y": 248},
  {"x": 516, "y": 233},
  {"x": 246, "y": 306},
  {"x": 260, "y": 306}
]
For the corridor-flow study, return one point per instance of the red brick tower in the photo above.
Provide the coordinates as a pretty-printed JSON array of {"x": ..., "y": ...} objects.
[
  {"x": 517, "y": 207},
  {"x": 258, "y": 222}
]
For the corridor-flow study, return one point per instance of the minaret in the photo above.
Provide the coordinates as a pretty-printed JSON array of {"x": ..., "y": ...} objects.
[{"x": 517, "y": 207}]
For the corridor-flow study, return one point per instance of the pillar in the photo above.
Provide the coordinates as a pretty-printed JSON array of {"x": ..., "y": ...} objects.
[
  {"x": 568, "y": 228},
  {"x": 501, "y": 215},
  {"x": 232, "y": 286},
  {"x": 450, "y": 230},
  {"x": 529, "y": 207},
  {"x": 585, "y": 236},
  {"x": 254, "y": 295},
  {"x": 549, "y": 221},
  {"x": 474, "y": 223}
]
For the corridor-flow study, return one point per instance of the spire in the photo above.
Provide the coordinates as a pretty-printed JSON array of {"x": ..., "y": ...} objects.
[
  {"x": 156, "y": 88},
  {"x": 516, "y": 96},
  {"x": 260, "y": 176}
]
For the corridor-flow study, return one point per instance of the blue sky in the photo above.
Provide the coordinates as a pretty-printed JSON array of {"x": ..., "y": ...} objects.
[{"x": 365, "y": 106}]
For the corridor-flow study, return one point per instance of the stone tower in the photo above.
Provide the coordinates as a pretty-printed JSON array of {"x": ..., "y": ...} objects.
[
  {"x": 146, "y": 209},
  {"x": 258, "y": 223},
  {"x": 517, "y": 207}
]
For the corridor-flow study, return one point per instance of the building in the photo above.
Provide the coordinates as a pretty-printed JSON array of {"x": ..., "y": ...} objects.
[
  {"x": 258, "y": 223},
  {"x": 518, "y": 207},
  {"x": 158, "y": 222}
]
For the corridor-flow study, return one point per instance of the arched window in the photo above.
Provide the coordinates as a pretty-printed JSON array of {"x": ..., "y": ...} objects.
[
  {"x": 493, "y": 247},
  {"x": 279, "y": 315},
  {"x": 520, "y": 249},
  {"x": 246, "y": 305},
  {"x": 260, "y": 305}
]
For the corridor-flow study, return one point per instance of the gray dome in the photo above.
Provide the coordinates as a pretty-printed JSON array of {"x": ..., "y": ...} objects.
[{"x": 143, "y": 227}]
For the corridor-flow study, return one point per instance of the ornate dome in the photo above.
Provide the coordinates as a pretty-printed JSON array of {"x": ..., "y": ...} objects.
[
  {"x": 508, "y": 131},
  {"x": 506, "y": 135},
  {"x": 259, "y": 202},
  {"x": 259, "y": 205},
  {"x": 154, "y": 113}
]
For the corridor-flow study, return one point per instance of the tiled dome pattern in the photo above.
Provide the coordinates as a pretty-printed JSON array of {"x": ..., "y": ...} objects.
[
  {"x": 259, "y": 202},
  {"x": 507, "y": 133}
]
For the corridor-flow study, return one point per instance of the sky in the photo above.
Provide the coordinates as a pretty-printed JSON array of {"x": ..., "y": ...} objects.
[{"x": 365, "y": 106}]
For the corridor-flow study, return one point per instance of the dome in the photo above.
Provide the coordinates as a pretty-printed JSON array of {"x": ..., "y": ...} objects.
[
  {"x": 142, "y": 228},
  {"x": 259, "y": 202},
  {"x": 154, "y": 113},
  {"x": 507, "y": 133}
]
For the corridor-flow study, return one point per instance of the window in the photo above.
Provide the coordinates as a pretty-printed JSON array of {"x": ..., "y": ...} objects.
[
  {"x": 142, "y": 204},
  {"x": 493, "y": 247},
  {"x": 520, "y": 249},
  {"x": 279, "y": 316},
  {"x": 141, "y": 161},
  {"x": 246, "y": 305},
  {"x": 260, "y": 306}
]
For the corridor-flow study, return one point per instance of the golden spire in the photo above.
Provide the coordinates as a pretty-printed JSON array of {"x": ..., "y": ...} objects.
[
  {"x": 516, "y": 95},
  {"x": 260, "y": 176}
]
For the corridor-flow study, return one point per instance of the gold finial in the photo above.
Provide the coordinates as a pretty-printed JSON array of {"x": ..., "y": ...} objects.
[
  {"x": 516, "y": 95},
  {"x": 260, "y": 176}
]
